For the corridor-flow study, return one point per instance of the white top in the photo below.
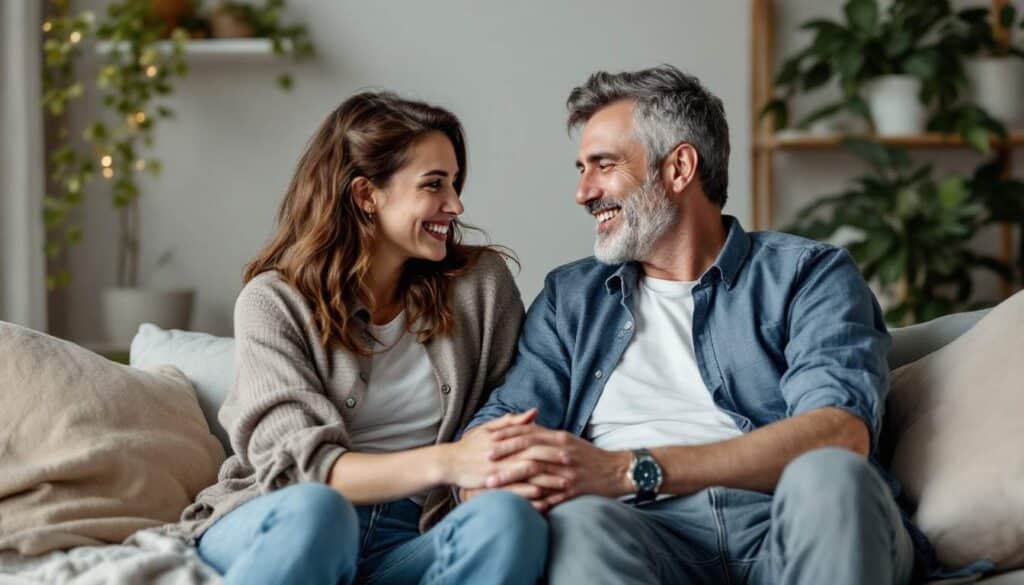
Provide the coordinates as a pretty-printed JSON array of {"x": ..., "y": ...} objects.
[
  {"x": 656, "y": 396},
  {"x": 402, "y": 408}
]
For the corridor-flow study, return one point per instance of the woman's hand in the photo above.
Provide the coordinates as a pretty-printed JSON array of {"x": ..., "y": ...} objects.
[{"x": 469, "y": 462}]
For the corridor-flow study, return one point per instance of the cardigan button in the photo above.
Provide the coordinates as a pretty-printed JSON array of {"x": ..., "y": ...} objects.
[
  {"x": 350, "y": 402},
  {"x": 445, "y": 389}
]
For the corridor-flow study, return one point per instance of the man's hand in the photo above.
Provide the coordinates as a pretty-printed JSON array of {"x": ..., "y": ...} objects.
[
  {"x": 585, "y": 469},
  {"x": 537, "y": 486}
]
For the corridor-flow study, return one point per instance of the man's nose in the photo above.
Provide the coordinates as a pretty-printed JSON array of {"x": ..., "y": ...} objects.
[{"x": 586, "y": 190}]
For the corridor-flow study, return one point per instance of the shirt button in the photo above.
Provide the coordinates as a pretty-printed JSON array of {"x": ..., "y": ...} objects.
[
  {"x": 350, "y": 402},
  {"x": 445, "y": 389},
  {"x": 628, "y": 325},
  {"x": 598, "y": 374}
]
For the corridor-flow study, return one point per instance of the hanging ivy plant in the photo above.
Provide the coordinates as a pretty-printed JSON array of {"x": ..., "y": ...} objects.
[{"x": 135, "y": 73}]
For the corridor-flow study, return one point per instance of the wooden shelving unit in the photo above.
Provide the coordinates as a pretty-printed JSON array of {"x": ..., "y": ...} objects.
[{"x": 766, "y": 142}]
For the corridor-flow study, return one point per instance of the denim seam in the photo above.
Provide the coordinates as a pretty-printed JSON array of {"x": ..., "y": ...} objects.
[
  {"x": 723, "y": 554},
  {"x": 370, "y": 526},
  {"x": 378, "y": 575}
]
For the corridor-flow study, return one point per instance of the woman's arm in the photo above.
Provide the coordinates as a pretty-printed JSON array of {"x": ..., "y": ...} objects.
[{"x": 366, "y": 478}]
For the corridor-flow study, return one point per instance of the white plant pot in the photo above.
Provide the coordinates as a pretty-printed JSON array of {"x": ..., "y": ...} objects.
[
  {"x": 124, "y": 309},
  {"x": 894, "y": 104},
  {"x": 997, "y": 86}
]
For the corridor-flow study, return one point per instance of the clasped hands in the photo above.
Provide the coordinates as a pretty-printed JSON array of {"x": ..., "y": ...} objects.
[{"x": 544, "y": 466}]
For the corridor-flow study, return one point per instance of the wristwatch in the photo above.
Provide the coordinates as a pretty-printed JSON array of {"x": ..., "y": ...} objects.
[{"x": 646, "y": 475}]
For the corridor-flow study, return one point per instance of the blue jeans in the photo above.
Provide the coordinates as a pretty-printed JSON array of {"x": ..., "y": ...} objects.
[
  {"x": 832, "y": 520},
  {"x": 310, "y": 534}
]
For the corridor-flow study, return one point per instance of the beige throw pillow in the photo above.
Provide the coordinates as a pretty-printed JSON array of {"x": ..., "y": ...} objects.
[
  {"x": 958, "y": 414},
  {"x": 90, "y": 450}
]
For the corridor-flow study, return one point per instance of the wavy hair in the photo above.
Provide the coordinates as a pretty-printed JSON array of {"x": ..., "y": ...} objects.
[{"x": 324, "y": 240}]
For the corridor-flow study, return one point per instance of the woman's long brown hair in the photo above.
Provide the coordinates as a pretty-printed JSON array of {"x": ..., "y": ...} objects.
[{"x": 324, "y": 240}]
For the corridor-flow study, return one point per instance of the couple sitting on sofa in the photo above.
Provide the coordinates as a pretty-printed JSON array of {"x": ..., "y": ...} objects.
[{"x": 697, "y": 404}]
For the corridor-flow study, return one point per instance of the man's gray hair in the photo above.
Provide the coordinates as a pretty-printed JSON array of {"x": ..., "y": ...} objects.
[{"x": 671, "y": 108}]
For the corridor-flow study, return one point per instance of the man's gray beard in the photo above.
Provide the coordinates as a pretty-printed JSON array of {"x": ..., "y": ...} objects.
[{"x": 645, "y": 216}]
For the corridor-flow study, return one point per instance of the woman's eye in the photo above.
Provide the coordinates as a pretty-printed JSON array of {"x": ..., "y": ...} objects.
[{"x": 433, "y": 185}]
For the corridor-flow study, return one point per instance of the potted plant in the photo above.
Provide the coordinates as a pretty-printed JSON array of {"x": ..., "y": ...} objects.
[
  {"x": 910, "y": 233},
  {"x": 132, "y": 78},
  {"x": 995, "y": 69},
  {"x": 890, "y": 68}
]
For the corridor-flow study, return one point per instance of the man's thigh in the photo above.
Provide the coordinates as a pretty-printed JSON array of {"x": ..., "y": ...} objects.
[{"x": 596, "y": 540}]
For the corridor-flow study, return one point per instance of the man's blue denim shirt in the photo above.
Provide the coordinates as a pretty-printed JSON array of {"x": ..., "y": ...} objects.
[{"x": 781, "y": 326}]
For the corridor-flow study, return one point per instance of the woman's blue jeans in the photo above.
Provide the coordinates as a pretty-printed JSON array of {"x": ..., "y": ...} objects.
[{"x": 310, "y": 534}]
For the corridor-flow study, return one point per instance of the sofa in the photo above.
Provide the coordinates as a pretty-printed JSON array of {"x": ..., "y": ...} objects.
[{"x": 206, "y": 362}]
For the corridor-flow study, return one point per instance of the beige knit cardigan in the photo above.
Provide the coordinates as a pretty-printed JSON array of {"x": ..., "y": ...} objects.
[{"x": 292, "y": 400}]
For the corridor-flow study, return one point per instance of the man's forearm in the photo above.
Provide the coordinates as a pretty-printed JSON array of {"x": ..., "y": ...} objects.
[{"x": 756, "y": 460}]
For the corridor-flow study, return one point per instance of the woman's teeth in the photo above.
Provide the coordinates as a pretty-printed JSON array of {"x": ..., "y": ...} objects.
[{"x": 440, "y": 229}]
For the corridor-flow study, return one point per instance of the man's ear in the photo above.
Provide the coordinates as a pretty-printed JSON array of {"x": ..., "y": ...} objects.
[
  {"x": 363, "y": 192},
  {"x": 680, "y": 167}
]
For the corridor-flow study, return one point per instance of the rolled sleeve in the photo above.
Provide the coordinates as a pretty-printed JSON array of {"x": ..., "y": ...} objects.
[
  {"x": 838, "y": 342},
  {"x": 539, "y": 376}
]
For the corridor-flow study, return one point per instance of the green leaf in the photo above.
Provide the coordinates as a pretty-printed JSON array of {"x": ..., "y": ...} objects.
[
  {"x": 874, "y": 153},
  {"x": 922, "y": 64},
  {"x": 908, "y": 203},
  {"x": 817, "y": 76},
  {"x": 820, "y": 113},
  {"x": 789, "y": 71},
  {"x": 778, "y": 110},
  {"x": 893, "y": 267},
  {"x": 952, "y": 192},
  {"x": 862, "y": 14},
  {"x": 978, "y": 138},
  {"x": 1007, "y": 15}
]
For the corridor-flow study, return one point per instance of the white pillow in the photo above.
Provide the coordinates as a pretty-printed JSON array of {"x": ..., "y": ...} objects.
[
  {"x": 958, "y": 421},
  {"x": 206, "y": 360}
]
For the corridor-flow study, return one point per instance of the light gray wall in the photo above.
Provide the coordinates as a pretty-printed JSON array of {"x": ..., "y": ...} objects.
[{"x": 504, "y": 67}]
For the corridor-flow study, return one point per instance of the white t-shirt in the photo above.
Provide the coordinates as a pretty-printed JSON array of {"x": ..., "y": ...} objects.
[
  {"x": 402, "y": 408},
  {"x": 655, "y": 396}
]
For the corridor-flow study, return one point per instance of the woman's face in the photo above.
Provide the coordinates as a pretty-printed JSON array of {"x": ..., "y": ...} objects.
[{"x": 415, "y": 210}]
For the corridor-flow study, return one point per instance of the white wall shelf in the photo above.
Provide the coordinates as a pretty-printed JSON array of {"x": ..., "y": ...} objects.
[{"x": 197, "y": 51}]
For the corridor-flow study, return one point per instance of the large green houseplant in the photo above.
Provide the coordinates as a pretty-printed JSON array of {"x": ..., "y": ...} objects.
[
  {"x": 911, "y": 233},
  {"x": 916, "y": 45},
  {"x": 141, "y": 61}
]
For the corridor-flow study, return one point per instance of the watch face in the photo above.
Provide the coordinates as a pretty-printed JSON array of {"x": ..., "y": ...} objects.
[{"x": 646, "y": 475}]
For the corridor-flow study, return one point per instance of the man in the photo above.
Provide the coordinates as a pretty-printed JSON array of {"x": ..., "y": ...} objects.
[{"x": 706, "y": 398}]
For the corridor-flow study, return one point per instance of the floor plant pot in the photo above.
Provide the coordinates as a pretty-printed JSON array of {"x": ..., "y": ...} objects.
[
  {"x": 997, "y": 86},
  {"x": 895, "y": 106},
  {"x": 124, "y": 309}
]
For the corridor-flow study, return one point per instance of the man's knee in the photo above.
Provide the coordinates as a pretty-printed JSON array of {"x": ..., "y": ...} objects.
[
  {"x": 827, "y": 471},
  {"x": 583, "y": 515}
]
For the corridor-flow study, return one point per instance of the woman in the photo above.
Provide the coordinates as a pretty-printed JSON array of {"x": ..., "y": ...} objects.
[{"x": 367, "y": 335}]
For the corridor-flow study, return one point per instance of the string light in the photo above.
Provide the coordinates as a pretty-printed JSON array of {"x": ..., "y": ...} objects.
[
  {"x": 151, "y": 71},
  {"x": 140, "y": 164},
  {"x": 108, "y": 172},
  {"x": 75, "y": 37},
  {"x": 140, "y": 117},
  {"x": 47, "y": 26},
  {"x": 107, "y": 160}
]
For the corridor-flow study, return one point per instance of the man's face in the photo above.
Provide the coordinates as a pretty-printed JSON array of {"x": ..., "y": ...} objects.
[{"x": 631, "y": 208}]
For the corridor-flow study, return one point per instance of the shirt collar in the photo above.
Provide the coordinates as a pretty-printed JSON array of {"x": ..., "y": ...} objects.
[{"x": 728, "y": 264}]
